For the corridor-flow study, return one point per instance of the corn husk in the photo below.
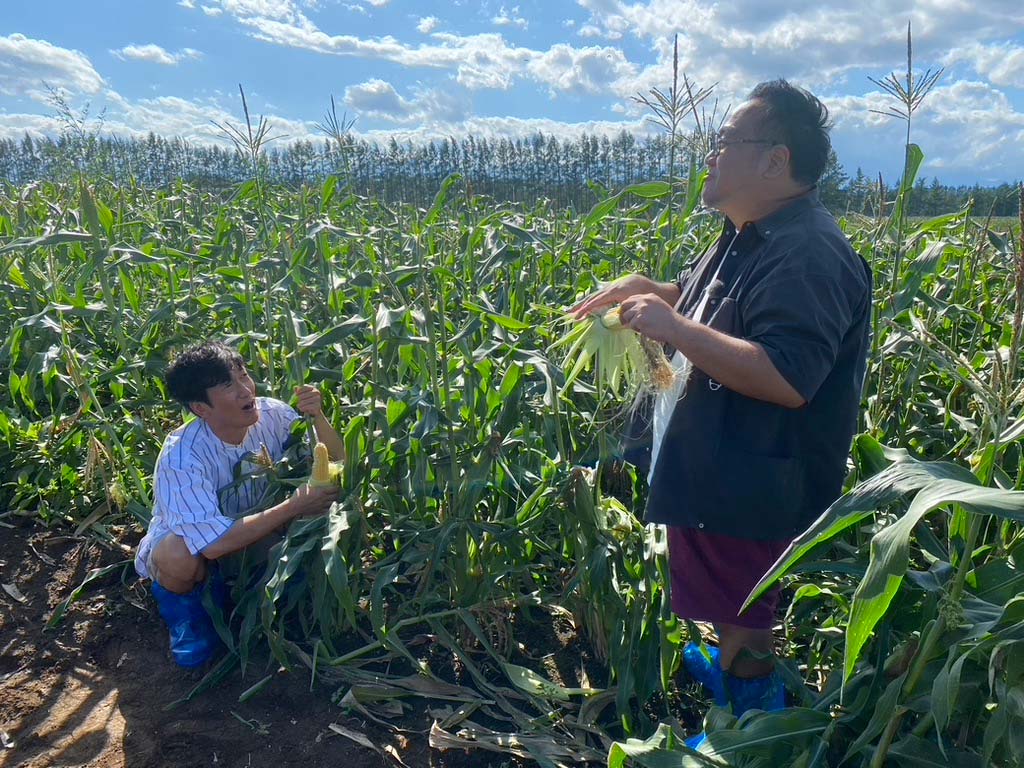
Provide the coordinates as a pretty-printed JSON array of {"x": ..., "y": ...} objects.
[{"x": 625, "y": 363}]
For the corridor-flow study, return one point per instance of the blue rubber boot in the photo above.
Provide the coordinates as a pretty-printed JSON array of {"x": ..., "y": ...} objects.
[
  {"x": 193, "y": 638},
  {"x": 694, "y": 742},
  {"x": 706, "y": 672},
  {"x": 766, "y": 693}
]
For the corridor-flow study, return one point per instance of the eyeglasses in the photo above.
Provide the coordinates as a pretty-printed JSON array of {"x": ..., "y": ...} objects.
[{"x": 718, "y": 143}]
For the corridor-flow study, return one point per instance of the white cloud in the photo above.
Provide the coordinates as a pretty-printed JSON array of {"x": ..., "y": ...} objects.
[
  {"x": 28, "y": 65},
  {"x": 428, "y": 24},
  {"x": 210, "y": 10},
  {"x": 966, "y": 129},
  {"x": 190, "y": 120},
  {"x": 818, "y": 43},
  {"x": 165, "y": 116},
  {"x": 282, "y": 10},
  {"x": 15, "y": 126},
  {"x": 378, "y": 99},
  {"x": 606, "y": 19},
  {"x": 155, "y": 54},
  {"x": 506, "y": 18},
  {"x": 187, "y": 3},
  {"x": 480, "y": 61},
  {"x": 492, "y": 128},
  {"x": 355, "y": 7},
  {"x": 428, "y": 115},
  {"x": 591, "y": 30},
  {"x": 828, "y": 47},
  {"x": 587, "y": 70},
  {"x": 1001, "y": 63}
]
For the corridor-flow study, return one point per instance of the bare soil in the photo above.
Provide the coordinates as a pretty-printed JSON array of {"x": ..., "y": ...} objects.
[{"x": 92, "y": 691}]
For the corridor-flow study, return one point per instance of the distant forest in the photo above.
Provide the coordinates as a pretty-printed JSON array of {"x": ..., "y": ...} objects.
[{"x": 569, "y": 172}]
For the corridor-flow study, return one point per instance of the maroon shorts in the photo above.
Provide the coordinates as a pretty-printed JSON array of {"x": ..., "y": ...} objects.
[{"x": 713, "y": 574}]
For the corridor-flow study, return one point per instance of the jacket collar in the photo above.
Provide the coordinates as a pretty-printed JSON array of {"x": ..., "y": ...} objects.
[{"x": 767, "y": 225}]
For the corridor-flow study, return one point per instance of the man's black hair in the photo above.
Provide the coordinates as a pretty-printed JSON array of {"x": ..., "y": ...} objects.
[
  {"x": 795, "y": 117},
  {"x": 199, "y": 367}
]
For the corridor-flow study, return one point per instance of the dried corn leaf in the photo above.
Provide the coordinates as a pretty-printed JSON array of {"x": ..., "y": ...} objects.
[
  {"x": 547, "y": 749},
  {"x": 538, "y": 685},
  {"x": 386, "y": 751},
  {"x": 15, "y": 593}
]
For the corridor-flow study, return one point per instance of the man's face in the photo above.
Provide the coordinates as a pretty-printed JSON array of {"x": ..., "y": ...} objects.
[
  {"x": 736, "y": 167},
  {"x": 232, "y": 404}
]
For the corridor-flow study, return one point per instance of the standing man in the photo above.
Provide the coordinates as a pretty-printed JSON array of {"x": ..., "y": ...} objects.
[
  {"x": 194, "y": 522},
  {"x": 770, "y": 328}
]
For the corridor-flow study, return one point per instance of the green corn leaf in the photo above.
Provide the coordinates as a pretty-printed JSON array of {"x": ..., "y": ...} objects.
[
  {"x": 903, "y": 476},
  {"x": 441, "y": 198},
  {"x": 650, "y": 189},
  {"x": 890, "y": 549},
  {"x": 600, "y": 211},
  {"x": 915, "y": 752},
  {"x": 885, "y": 710},
  {"x": 61, "y": 237},
  {"x": 945, "y": 688},
  {"x": 333, "y": 334},
  {"x": 503, "y": 320},
  {"x": 923, "y": 265},
  {"x": 759, "y": 731}
]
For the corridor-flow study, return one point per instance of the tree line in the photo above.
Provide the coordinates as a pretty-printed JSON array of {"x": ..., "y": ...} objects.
[{"x": 570, "y": 172}]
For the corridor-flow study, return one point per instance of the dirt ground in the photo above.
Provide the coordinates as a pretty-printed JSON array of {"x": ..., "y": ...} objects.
[{"x": 92, "y": 691}]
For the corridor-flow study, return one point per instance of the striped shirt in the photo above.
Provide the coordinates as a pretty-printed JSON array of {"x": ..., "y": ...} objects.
[{"x": 191, "y": 485}]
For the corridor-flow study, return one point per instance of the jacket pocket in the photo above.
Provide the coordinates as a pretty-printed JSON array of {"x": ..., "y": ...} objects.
[{"x": 762, "y": 497}]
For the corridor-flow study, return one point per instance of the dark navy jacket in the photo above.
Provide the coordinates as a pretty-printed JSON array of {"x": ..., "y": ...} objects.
[{"x": 734, "y": 465}]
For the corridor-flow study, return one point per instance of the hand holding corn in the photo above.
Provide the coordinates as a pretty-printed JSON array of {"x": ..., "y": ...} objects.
[
  {"x": 311, "y": 402},
  {"x": 310, "y": 500},
  {"x": 612, "y": 294},
  {"x": 650, "y": 316}
]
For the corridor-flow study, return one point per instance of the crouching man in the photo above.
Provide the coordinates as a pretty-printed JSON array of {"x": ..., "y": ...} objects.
[{"x": 191, "y": 525}]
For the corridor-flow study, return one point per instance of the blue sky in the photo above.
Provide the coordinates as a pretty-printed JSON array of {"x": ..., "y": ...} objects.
[{"x": 428, "y": 69}]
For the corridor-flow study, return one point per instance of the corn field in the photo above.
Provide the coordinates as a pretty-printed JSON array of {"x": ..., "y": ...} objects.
[{"x": 481, "y": 496}]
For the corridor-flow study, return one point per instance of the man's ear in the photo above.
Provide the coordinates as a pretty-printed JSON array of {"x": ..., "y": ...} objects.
[
  {"x": 777, "y": 161},
  {"x": 199, "y": 408}
]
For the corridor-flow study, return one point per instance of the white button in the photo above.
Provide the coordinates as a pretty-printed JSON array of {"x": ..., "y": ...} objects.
[
  {"x": 734, "y": 253},
  {"x": 767, "y": 232},
  {"x": 700, "y": 525}
]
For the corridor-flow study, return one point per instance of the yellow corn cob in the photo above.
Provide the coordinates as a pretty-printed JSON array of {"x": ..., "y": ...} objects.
[{"x": 321, "y": 475}]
